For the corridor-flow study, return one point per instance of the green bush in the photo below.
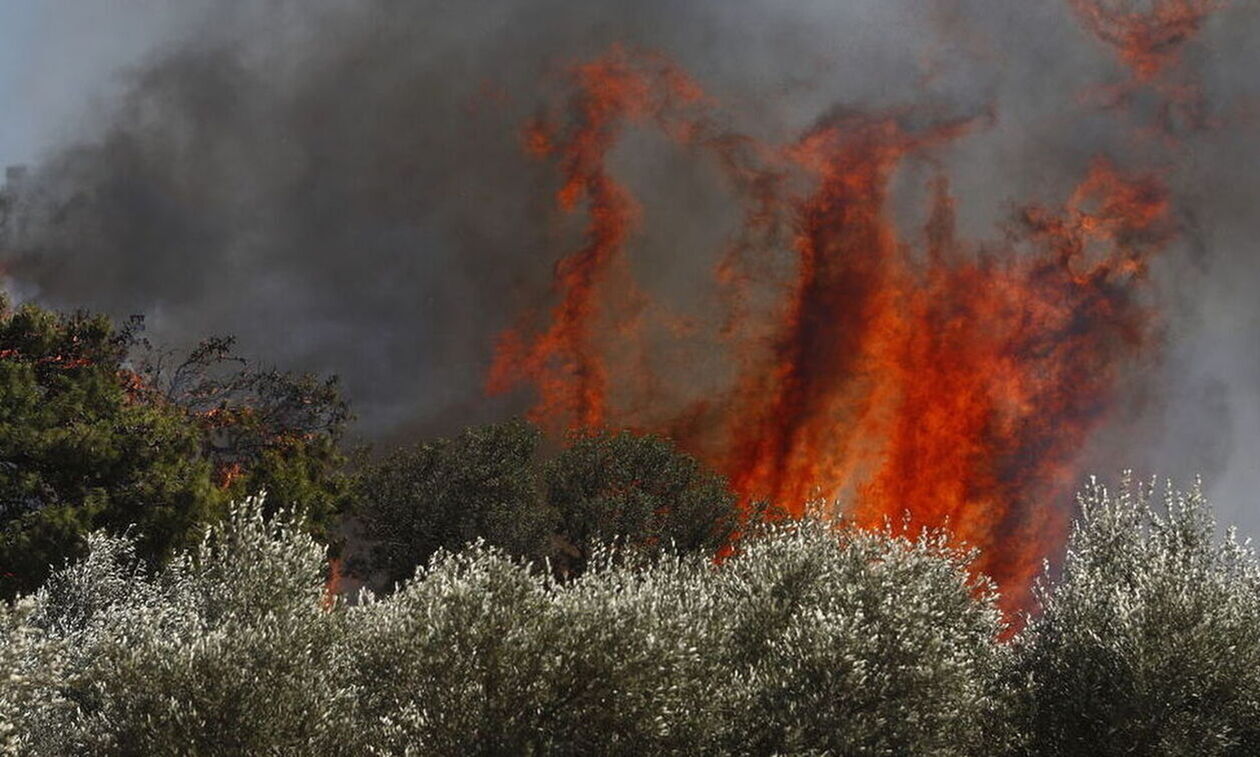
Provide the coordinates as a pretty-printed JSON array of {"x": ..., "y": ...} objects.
[
  {"x": 446, "y": 493},
  {"x": 488, "y": 483},
  {"x": 638, "y": 489}
]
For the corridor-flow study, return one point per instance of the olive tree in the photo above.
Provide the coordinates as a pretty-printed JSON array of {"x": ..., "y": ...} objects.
[
  {"x": 1149, "y": 642},
  {"x": 226, "y": 650},
  {"x": 812, "y": 639}
]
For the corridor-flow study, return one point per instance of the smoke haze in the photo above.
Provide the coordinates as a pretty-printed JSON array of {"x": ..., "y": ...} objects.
[{"x": 343, "y": 185}]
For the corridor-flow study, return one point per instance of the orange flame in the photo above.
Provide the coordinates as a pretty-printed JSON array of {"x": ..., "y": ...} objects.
[
  {"x": 332, "y": 585},
  {"x": 563, "y": 360},
  {"x": 228, "y": 475},
  {"x": 1147, "y": 35},
  {"x": 951, "y": 385}
]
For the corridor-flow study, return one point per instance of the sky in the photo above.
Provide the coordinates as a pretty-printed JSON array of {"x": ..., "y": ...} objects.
[
  {"x": 18, "y": 142},
  {"x": 292, "y": 97},
  {"x": 60, "y": 59}
]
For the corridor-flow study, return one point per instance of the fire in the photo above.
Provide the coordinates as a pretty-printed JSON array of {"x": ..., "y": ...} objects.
[
  {"x": 333, "y": 584},
  {"x": 563, "y": 360},
  {"x": 1147, "y": 35},
  {"x": 226, "y": 476},
  {"x": 947, "y": 383},
  {"x": 1006, "y": 365}
]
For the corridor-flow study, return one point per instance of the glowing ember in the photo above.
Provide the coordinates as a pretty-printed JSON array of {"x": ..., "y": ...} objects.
[{"x": 332, "y": 584}]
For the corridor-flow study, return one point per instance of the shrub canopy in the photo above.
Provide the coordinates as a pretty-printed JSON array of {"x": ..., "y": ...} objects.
[
  {"x": 490, "y": 483},
  {"x": 1149, "y": 642},
  {"x": 813, "y": 639}
]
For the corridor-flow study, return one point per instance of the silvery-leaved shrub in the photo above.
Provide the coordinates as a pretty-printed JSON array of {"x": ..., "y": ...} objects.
[
  {"x": 1149, "y": 642},
  {"x": 225, "y": 651},
  {"x": 844, "y": 641},
  {"x": 813, "y": 638},
  {"x": 30, "y": 671}
]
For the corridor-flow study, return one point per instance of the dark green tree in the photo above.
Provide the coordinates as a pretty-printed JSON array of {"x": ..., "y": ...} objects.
[
  {"x": 638, "y": 489},
  {"x": 489, "y": 483},
  {"x": 445, "y": 493},
  {"x": 89, "y": 440},
  {"x": 81, "y": 448}
]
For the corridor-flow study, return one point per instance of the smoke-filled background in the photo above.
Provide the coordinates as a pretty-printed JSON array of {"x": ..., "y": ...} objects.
[{"x": 343, "y": 186}]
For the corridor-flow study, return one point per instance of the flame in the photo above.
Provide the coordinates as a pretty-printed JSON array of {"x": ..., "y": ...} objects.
[
  {"x": 226, "y": 476},
  {"x": 64, "y": 362},
  {"x": 934, "y": 384},
  {"x": 563, "y": 361},
  {"x": 1004, "y": 367},
  {"x": 1147, "y": 35},
  {"x": 332, "y": 585}
]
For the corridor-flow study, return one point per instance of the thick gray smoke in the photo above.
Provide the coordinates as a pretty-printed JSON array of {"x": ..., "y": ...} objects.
[{"x": 342, "y": 185}]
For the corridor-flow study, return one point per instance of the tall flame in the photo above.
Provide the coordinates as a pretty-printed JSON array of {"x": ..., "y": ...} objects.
[
  {"x": 944, "y": 382},
  {"x": 563, "y": 361}
]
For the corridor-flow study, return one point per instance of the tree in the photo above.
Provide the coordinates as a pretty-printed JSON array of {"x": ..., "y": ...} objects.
[
  {"x": 446, "y": 493},
  {"x": 842, "y": 641},
  {"x": 81, "y": 449},
  {"x": 639, "y": 489},
  {"x": 225, "y": 650},
  {"x": 263, "y": 429},
  {"x": 1150, "y": 641},
  {"x": 489, "y": 484},
  {"x": 88, "y": 441}
]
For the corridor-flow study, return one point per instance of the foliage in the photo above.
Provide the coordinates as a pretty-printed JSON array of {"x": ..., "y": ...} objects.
[
  {"x": 80, "y": 450},
  {"x": 488, "y": 483},
  {"x": 89, "y": 441},
  {"x": 813, "y": 639},
  {"x": 215, "y": 654},
  {"x": 641, "y": 489},
  {"x": 446, "y": 493},
  {"x": 1149, "y": 643},
  {"x": 263, "y": 429},
  {"x": 876, "y": 645}
]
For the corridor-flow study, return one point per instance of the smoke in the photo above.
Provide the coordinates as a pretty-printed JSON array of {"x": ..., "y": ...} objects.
[{"x": 343, "y": 185}]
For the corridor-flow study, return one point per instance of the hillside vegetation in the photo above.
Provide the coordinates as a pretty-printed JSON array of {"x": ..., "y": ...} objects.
[
  {"x": 604, "y": 595},
  {"x": 814, "y": 638}
]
